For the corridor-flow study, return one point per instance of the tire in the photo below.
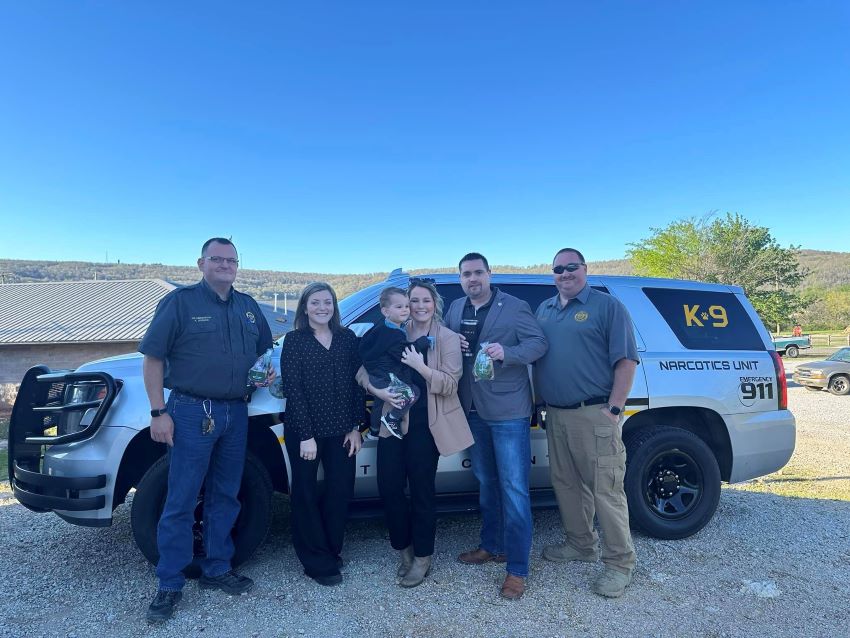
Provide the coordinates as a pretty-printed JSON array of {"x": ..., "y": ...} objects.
[
  {"x": 249, "y": 532},
  {"x": 672, "y": 482},
  {"x": 792, "y": 351},
  {"x": 839, "y": 384}
]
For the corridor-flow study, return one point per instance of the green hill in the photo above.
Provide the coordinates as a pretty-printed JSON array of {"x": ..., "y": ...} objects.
[{"x": 827, "y": 270}]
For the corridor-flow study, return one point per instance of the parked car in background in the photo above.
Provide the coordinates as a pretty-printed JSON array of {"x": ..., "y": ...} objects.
[
  {"x": 791, "y": 346},
  {"x": 833, "y": 373}
]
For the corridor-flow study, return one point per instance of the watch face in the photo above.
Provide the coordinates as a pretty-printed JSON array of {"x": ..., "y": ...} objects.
[{"x": 614, "y": 410}]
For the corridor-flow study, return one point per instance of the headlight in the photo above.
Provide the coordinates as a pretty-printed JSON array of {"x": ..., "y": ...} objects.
[
  {"x": 818, "y": 374},
  {"x": 80, "y": 393}
]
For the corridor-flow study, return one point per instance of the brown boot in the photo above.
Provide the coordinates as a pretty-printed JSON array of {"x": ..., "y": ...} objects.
[
  {"x": 480, "y": 556},
  {"x": 513, "y": 588},
  {"x": 418, "y": 571},
  {"x": 406, "y": 556}
]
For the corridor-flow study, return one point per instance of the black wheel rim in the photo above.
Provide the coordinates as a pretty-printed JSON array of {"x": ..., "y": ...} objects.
[
  {"x": 839, "y": 384},
  {"x": 673, "y": 484}
]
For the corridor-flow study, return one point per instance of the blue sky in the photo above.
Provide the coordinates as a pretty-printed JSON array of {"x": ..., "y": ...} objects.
[{"x": 363, "y": 136}]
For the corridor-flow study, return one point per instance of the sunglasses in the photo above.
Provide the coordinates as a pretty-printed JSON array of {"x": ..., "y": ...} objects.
[{"x": 559, "y": 270}]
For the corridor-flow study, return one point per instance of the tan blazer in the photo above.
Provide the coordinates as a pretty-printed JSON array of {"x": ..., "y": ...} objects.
[{"x": 446, "y": 419}]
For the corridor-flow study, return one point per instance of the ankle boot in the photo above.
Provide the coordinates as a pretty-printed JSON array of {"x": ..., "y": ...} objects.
[
  {"x": 418, "y": 571},
  {"x": 406, "y": 556}
]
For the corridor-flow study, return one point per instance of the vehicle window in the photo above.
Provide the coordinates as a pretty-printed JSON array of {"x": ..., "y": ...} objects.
[
  {"x": 533, "y": 294},
  {"x": 841, "y": 355},
  {"x": 371, "y": 317},
  {"x": 706, "y": 320}
]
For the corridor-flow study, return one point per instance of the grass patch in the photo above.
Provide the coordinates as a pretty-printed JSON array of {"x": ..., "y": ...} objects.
[
  {"x": 4, "y": 465},
  {"x": 4, "y": 428},
  {"x": 800, "y": 482}
]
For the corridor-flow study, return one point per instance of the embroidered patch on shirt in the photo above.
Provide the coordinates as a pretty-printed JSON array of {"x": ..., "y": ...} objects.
[
  {"x": 251, "y": 317},
  {"x": 580, "y": 316},
  {"x": 203, "y": 319}
]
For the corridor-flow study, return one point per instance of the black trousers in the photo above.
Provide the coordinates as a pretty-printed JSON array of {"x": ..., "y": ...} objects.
[
  {"x": 318, "y": 513},
  {"x": 413, "y": 461}
]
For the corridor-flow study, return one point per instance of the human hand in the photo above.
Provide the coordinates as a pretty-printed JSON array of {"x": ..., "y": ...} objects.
[
  {"x": 413, "y": 358},
  {"x": 393, "y": 398},
  {"x": 162, "y": 429},
  {"x": 464, "y": 344},
  {"x": 308, "y": 450},
  {"x": 353, "y": 442},
  {"x": 615, "y": 420},
  {"x": 496, "y": 351}
]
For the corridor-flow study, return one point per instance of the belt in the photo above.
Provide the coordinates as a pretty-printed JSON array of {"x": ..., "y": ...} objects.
[
  {"x": 200, "y": 398},
  {"x": 580, "y": 404}
]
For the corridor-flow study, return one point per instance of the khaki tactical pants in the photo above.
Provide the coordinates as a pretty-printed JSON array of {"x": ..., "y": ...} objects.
[{"x": 587, "y": 464}]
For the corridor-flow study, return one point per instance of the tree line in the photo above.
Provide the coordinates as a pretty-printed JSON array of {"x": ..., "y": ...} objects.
[{"x": 786, "y": 285}]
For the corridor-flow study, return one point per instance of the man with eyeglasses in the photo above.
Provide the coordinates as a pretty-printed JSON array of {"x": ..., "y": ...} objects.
[
  {"x": 584, "y": 379},
  {"x": 201, "y": 343},
  {"x": 498, "y": 412}
]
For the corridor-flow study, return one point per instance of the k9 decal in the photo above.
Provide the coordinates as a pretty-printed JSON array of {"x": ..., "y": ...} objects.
[
  {"x": 714, "y": 316},
  {"x": 754, "y": 389}
]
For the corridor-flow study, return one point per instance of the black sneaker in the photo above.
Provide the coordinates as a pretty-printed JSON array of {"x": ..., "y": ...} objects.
[
  {"x": 229, "y": 582},
  {"x": 162, "y": 607},
  {"x": 394, "y": 427}
]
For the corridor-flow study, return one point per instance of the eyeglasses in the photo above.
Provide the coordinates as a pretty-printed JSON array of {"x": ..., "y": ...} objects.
[
  {"x": 559, "y": 270},
  {"x": 418, "y": 281},
  {"x": 230, "y": 261}
]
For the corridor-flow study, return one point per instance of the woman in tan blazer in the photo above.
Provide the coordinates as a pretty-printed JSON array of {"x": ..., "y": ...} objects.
[{"x": 436, "y": 426}]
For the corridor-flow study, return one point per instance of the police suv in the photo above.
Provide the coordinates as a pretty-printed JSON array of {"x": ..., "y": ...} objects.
[{"x": 709, "y": 404}]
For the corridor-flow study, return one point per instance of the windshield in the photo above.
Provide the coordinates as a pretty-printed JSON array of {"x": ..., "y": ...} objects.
[{"x": 841, "y": 355}]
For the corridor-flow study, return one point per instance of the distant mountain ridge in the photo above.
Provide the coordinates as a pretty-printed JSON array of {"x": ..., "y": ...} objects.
[{"x": 826, "y": 270}]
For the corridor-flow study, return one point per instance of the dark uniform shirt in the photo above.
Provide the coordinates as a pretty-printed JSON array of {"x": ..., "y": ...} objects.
[
  {"x": 322, "y": 397},
  {"x": 208, "y": 344},
  {"x": 587, "y": 338}
]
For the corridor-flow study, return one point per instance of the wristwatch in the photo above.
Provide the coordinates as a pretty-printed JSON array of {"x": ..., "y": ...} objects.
[
  {"x": 160, "y": 412},
  {"x": 613, "y": 409}
]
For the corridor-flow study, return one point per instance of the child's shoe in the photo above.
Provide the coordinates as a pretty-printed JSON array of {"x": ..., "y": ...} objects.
[{"x": 393, "y": 426}]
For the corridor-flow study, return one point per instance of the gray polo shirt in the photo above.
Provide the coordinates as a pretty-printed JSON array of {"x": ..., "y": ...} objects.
[
  {"x": 587, "y": 337},
  {"x": 208, "y": 344}
]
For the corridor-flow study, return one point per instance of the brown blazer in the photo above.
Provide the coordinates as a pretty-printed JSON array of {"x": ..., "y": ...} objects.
[{"x": 446, "y": 419}]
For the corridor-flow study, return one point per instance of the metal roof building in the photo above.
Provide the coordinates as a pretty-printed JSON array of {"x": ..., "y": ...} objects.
[{"x": 78, "y": 311}]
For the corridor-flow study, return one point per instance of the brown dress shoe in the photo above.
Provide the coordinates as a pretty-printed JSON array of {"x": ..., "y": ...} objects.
[
  {"x": 480, "y": 556},
  {"x": 513, "y": 588}
]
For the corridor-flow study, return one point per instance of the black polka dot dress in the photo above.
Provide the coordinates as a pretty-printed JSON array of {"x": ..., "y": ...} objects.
[{"x": 322, "y": 397}]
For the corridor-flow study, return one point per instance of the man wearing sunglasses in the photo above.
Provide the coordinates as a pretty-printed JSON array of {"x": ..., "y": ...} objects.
[
  {"x": 201, "y": 343},
  {"x": 584, "y": 379}
]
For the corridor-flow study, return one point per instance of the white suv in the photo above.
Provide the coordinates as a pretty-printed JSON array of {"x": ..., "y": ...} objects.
[{"x": 709, "y": 404}]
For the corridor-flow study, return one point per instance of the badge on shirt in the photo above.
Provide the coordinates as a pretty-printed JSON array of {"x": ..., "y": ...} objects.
[
  {"x": 251, "y": 317},
  {"x": 580, "y": 316}
]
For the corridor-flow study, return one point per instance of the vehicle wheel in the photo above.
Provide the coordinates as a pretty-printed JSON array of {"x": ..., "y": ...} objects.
[
  {"x": 792, "y": 351},
  {"x": 248, "y": 533},
  {"x": 672, "y": 482},
  {"x": 839, "y": 384}
]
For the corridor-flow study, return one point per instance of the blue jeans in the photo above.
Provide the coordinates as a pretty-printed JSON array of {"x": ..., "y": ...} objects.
[
  {"x": 501, "y": 461},
  {"x": 217, "y": 458}
]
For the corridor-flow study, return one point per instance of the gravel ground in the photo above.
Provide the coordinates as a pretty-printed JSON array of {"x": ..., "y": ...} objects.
[{"x": 774, "y": 561}]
